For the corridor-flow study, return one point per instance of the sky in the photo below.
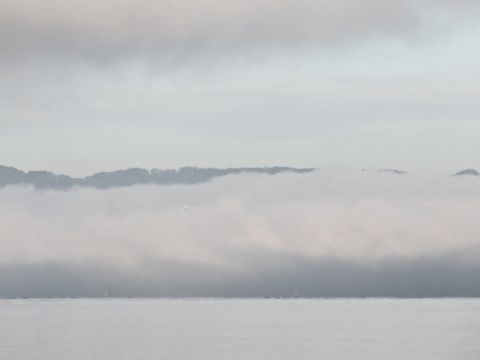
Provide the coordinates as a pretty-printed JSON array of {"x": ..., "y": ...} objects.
[
  {"x": 100, "y": 85},
  {"x": 338, "y": 85}
]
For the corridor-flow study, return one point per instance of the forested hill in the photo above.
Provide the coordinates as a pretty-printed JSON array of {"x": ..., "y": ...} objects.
[{"x": 134, "y": 176}]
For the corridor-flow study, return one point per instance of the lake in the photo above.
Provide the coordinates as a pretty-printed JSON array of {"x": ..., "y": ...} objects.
[{"x": 144, "y": 329}]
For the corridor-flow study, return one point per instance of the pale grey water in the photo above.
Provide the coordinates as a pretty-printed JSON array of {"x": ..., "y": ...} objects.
[{"x": 344, "y": 329}]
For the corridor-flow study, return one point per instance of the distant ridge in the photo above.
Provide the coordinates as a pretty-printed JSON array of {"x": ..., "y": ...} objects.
[
  {"x": 132, "y": 176},
  {"x": 467, "y": 172},
  {"x": 390, "y": 171}
]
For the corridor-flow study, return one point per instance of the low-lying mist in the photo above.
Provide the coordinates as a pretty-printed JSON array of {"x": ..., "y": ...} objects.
[{"x": 341, "y": 233}]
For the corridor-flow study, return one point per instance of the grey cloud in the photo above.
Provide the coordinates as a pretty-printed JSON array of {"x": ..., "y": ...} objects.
[{"x": 105, "y": 30}]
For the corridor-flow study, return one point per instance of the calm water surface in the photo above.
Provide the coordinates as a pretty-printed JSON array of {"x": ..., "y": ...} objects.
[{"x": 116, "y": 329}]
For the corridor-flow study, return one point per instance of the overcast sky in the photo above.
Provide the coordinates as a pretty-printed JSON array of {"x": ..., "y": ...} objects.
[{"x": 97, "y": 85}]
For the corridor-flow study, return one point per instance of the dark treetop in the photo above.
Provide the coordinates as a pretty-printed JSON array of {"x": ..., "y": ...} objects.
[
  {"x": 128, "y": 177},
  {"x": 471, "y": 172}
]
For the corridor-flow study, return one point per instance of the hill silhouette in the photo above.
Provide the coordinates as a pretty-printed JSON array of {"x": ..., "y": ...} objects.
[{"x": 133, "y": 176}]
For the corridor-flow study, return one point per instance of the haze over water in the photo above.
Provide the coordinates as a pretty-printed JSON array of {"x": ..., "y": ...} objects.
[{"x": 254, "y": 329}]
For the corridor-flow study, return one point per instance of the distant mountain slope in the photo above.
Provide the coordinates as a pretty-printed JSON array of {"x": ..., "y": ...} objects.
[
  {"x": 128, "y": 177},
  {"x": 389, "y": 171},
  {"x": 467, "y": 172}
]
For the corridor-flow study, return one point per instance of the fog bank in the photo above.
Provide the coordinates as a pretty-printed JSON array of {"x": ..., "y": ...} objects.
[{"x": 340, "y": 233}]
